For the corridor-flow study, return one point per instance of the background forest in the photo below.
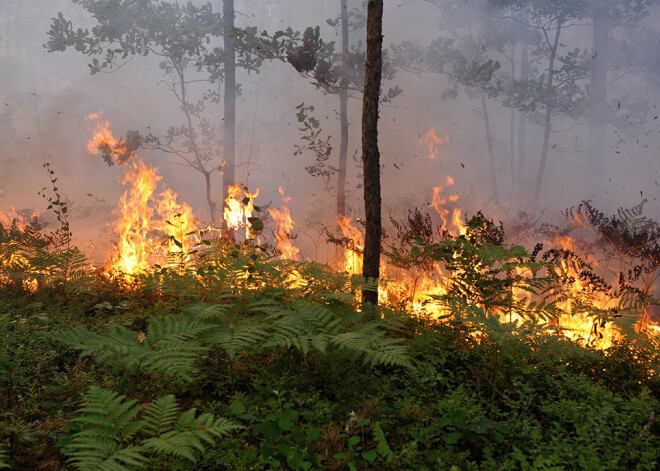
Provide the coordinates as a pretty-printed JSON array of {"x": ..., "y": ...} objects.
[{"x": 182, "y": 232}]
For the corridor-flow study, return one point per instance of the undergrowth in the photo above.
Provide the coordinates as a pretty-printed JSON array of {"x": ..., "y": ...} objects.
[{"x": 241, "y": 361}]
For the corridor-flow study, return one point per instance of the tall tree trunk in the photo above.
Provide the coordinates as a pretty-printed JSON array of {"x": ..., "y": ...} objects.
[
  {"x": 512, "y": 123},
  {"x": 370, "y": 153},
  {"x": 489, "y": 144},
  {"x": 522, "y": 117},
  {"x": 547, "y": 125},
  {"x": 229, "y": 139},
  {"x": 598, "y": 118},
  {"x": 343, "y": 116}
]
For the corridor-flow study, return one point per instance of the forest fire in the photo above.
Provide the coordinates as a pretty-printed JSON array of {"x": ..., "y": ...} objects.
[
  {"x": 283, "y": 227},
  {"x": 143, "y": 221},
  {"x": 154, "y": 229},
  {"x": 439, "y": 203},
  {"x": 104, "y": 142},
  {"x": 433, "y": 143},
  {"x": 239, "y": 208},
  {"x": 418, "y": 288},
  {"x": 329, "y": 235}
]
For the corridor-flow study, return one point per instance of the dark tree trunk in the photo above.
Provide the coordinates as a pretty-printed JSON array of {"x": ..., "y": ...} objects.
[
  {"x": 512, "y": 132},
  {"x": 598, "y": 118},
  {"x": 547, "y": 125},
  {"x": 370, "y": 153},
  {"x": 343, "y": 115},
  {"x": 229, "y": 139},
  {"x": 489, "y": 145},
  {"x": 522, "y": 117}
]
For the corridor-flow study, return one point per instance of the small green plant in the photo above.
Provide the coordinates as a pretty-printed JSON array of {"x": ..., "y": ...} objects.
[
  {"x": 115, "y": 434},
  {"x": 3, "y": 458}
]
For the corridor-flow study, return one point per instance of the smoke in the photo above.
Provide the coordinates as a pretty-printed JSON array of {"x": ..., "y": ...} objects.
[{"x": 45, "y": 97}]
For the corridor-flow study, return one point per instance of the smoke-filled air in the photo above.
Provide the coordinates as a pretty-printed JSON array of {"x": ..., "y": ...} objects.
[{"x": 239, "y": 205}]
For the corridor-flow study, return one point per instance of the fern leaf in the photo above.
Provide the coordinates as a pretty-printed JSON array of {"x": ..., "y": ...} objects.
[
  {"x": 161, "y": 415},
  {"x": 233, "y": 338},
  {"x": 170, "y": 345},
  {"x": 3, "y": 457},
  {"x": 369, "y": 342},
  {"x": 189, "y": 435},
  {"x": 106, "y": 421},
  {"x": 113, "y": 436}
]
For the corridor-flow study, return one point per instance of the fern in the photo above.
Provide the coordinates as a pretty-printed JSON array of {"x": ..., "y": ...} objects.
[
  {"x": 369, "y": 342},
  {"x": 303, "y": 326},
  {"x": 170, "y": 345},
  {"x": 3, "y": 457},
  {"x": 108, "y": 423},
  {"x": 237, "y": 336},
  {"x": 189, "y": 433},
  {"x": 117, "y": 435}
]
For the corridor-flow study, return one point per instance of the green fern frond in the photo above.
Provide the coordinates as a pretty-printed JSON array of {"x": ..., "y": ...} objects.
[
  {"x": 3, "y": 458},
  {"x": 303, "y": 327},
  {"x": 93, "y": 456},
  {"x": 113, "y": 436},
  {"x": 190, "y": 433},
  {"x": 235, "y": 337},
  {"x": 204, "y": 312},
  {"x": 370, "y": 342},
  {"x": 160, "y": 416},
  {"x": 106, "y": 414},
  {"x": 107, "y": 421},
  {"x": 170, "y": 345}
]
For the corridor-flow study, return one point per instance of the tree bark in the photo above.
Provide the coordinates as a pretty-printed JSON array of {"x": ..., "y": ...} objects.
[
  {"x": 598, "y": 118},
  {"x": 229, "y": 139},
  {"x": 489, "y": 145},
  {"x": 370, "y": 153},
  {"x": 522, "y": 117},
  {"x": 547, "y": 125},
  {"x": 343, "y": 116}
]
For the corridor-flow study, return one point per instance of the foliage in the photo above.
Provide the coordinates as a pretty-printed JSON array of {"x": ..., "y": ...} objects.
[
  {"x": 304, "y": 381},
  {"x": 632, "y": 239},
  {"x": 115, "y": 434},
  {"x": 29, "y": 259},
  {"x": 170, "y": 344},
  {"x": 173, "y": 344},
  {"x": 312, "y": 140}
]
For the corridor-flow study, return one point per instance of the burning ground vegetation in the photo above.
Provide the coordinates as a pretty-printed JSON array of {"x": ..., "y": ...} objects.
[{"x": 525, "y": 346}]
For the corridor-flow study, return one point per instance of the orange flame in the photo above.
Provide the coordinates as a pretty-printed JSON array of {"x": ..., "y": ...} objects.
[
  {"x": 239, "y": 208},
  {"x": 133, "y": 226},
  {"x": 282, "y": 232},
  {"x": 102, "y": 140},
  {"x": 433, "y": 143},
  {"x": 439, "y": 203},
  {"x": 352, "y": 257}
]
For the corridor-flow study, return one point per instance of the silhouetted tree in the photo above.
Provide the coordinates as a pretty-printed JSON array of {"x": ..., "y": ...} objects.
[{"x": 370, "y": 152}]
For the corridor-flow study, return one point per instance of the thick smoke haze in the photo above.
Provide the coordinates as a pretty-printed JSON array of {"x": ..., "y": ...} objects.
[{"x": 47, "y": 95}]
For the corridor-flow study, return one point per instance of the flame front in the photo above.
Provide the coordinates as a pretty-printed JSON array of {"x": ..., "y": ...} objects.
[
  {"x": 134, "y": 223},
  {"x": 283, "y": 227},
  {"x": 239, "y": 208},
  {"x": 157, "y": 229}
]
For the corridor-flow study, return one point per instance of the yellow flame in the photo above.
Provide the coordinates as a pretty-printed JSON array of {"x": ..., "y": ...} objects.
[
  {"x": 237, "y": 213},
  {"x": 284, "y": 226},
  {"x": 102, "y": 138},
  {"x": 433, "y": 143}
]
